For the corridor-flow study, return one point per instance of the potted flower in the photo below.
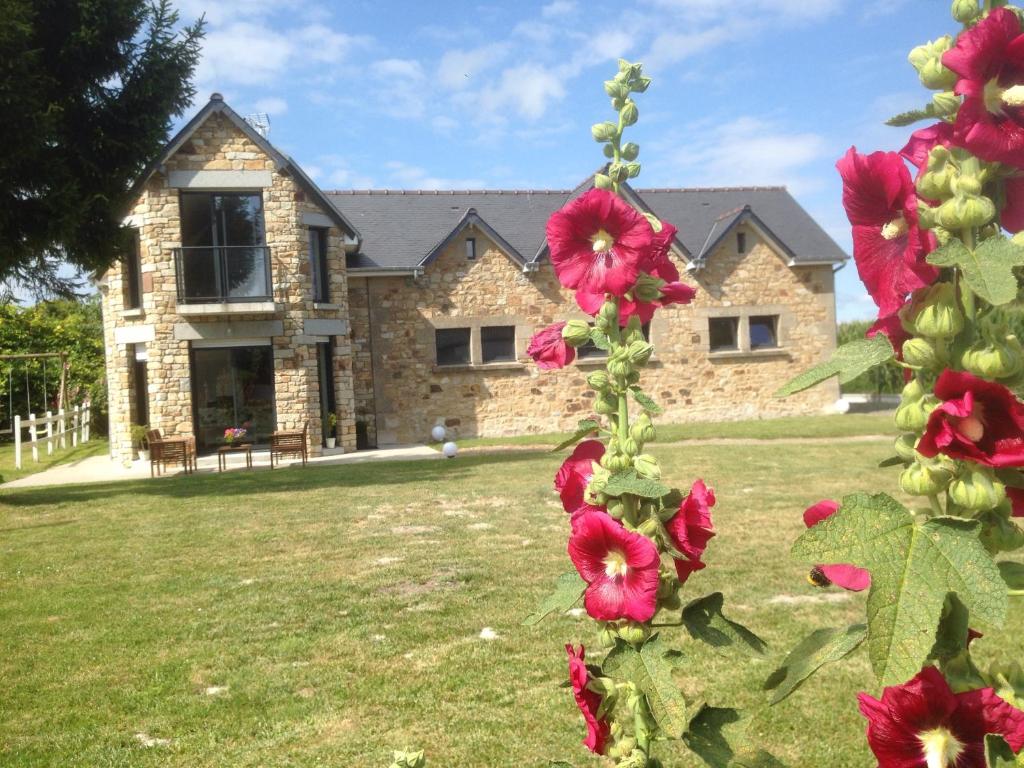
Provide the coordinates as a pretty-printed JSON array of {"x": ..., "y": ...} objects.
[
  {"x": 332, "y": 424},
  {"x": 138, "y": 432},
  {"x": 234, "y": 435}
]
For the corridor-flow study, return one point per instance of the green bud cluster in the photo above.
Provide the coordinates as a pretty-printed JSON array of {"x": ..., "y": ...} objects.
[
  {"x": 914, "y": 408},
  {"x": 927, "y": 60},
  {"x": 923, "y": 478},
  {"x": 976, "y": 489},
  {"x": 576, "y": 333},
  {"x": 627, "y": 81},
  {"x": 934, "y": 312},
  {"x": 965, "y": 11}
]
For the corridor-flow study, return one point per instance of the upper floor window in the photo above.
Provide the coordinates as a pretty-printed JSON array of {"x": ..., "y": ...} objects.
[
  {"x": 498, "y": 343},
  {"x": 764, "y": 331},
  {"x": 741, "y": 242},
  {"x": 133, "y": 273},
  {"x": 471, "y": 248},
  {"x": 452, "y": 346},
  {"x": 723, "y": 333},
  {"x": 223, "y": 255},
  {"x": 318, "y": 263}
]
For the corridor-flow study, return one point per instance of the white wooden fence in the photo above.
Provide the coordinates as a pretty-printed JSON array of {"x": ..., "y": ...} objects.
[{"x": 53, "y": 430}]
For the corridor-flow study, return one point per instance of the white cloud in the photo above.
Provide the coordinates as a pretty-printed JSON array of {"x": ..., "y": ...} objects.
[
  {"x": 335, "y": 172},
  {"x": 400, "y": 90},
  {"x": 408, "y": 176},
  {"x": 404, "y": 69},
  {"x": 243, "y": 53},
  {"x": 558, "y": 8},
  {"x": 458, "y": 68},
  {"x": 272, "y": 105},
  {"x": 525, "y": 90}
]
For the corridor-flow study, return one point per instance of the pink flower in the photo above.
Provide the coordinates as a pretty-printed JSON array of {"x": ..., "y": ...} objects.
[
  {"x": 574, "y": 475},
  {"x": 597, "y": 243},
  {"x": 846, "y": 576},
  {"x": 620, "y": 568},
  {"x": 978, "y": 421},
  {"x": 588, "y": 701},
  {"x": 922, "y": 142},
  {"x": 988, "y": 59},
  {"x": 691, "y": 529},
  {"x": 888, "y": 246},
  {"x": 923, "y": 724},
  {"x": 548, "y": 348},
  {"x": 1016, "y": 496}
]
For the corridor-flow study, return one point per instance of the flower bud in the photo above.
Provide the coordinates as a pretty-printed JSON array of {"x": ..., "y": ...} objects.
[
  {"x": 934, "y": 185},
  {"x": 938, "y": 315},
  {"x": 642, "y": 430},
  {"x": 965, "y": 11},
  {"x": 606, "y": 637},
  {"x": 648, "y": 528},
  {"x": 994, "y": 361},
  {"x": 618, "y": 462},
  {"x": 906, "y": 447},
  {"x": 632, "y": 170},
  {"x": 609, "y": 311},
  {"x": 977, "y": 489},
  {"x": 616, "y": 509},
  {"x": 576, "y": 333},
  {"x": 927, "y": 60},
  {"x": 647, "y": 466},
  {"x": 913, "y": 416},
  {"x": 965, "y": 211},
  {"x": 630, "y": 447},
  {"x": 999, "y": 533},
  {"x": 629, "y": 113},
  {"x": 647, "y": 288},
  {"x": 616, "y": 89},
  {"x": 965, "y": 184},
  {"x": 618, "y": 172},
  {"x": 630, "y": 151},
  {"x": 919, "y": 353},
  {"x": 639, "y": 84},
  {"x": 602, "y": 182},
  {"x": 620, "y": 367},
  {"x": 633, "y": 632},
  {"x": 598, "y": 381},
  {"x": 924, "y": 480},
  {"x": 608, "y": 151},
  {"x": 945, "y": 103},
  {"x": 605, "y": 131},
  {"x": 640, "y": 352},
  {"x": 606, "y": 404}
]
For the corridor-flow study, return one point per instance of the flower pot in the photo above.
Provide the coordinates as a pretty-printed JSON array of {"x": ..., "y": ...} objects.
[{"x": 330, "y": 441}]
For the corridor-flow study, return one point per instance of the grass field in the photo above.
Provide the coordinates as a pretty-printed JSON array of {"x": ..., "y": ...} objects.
[
  {"x": 95, "y": 447},
  {"x": 323, "y": 616}
]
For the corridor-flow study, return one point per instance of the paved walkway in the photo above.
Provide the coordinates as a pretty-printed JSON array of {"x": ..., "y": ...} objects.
[{"x": 102, "y": 469}]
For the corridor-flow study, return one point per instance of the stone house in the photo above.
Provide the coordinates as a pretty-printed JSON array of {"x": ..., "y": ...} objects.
[{"x": 254, "y": 297}]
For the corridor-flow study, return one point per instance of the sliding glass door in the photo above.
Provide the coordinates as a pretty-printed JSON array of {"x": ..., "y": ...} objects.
[{"x": 232, "y": 387}]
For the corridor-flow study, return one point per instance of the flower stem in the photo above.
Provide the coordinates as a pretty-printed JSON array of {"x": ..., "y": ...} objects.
[
  {"x": 933, "y": 501},
  {"x": 966, "y": 295}
]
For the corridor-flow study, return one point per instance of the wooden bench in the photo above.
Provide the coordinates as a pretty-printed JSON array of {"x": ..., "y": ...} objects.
[
  {"x": 292, "y": 443},
  {"x": 165, "y": 451}
]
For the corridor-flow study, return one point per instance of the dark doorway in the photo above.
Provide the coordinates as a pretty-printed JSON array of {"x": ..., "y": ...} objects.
[
  {"x": 325, "y": 370},
  {"x": 232, "y": 387}
]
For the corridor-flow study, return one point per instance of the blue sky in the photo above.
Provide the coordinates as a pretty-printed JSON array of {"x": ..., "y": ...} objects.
[{"x": 420, "y": 95}]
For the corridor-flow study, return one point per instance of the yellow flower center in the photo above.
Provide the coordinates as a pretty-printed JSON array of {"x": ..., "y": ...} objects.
[
  {"x": 972, "y": 428},
  {"x": 615, "y": 564},
  {"x": 941, "y": 748},
  {"x": 1013, "y": 96},
  {"x": 602, "y": 241},
  {"x": 895, "y": 228}
]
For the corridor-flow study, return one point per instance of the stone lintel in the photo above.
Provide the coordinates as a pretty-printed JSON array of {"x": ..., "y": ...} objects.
[
  {"x": 134, "y": 334},
  {"x": 323, "y": 327},
  {"x": 220, "y": 179},
  {"x": 241, "y": 329}
]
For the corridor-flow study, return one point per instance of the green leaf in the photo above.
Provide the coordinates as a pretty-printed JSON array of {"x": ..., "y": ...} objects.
[
  {"x": 998, "y": 753},
  {"x": 911, "y": 116},
  {"x": 913, "y": 567},
  {"x": 848, "y": 362},
  {"x": 988, "y": 270},
  {"x": 892, "y": 461},
  {"x": 584, "y": 428},
  {"x": 652, "y": 673},
  {"x": 704, "y": 620},
  {"x": 600, "y": 340},
  {"x": 757, "y": 759},
  {"x": 951, "y": 637},
  {"x": 645, "y": 401},
  {"x": 568, "y": 590},
  {"x": 1013, "y": 574},
  {"x": 821, "y": 647},
  {"x": 716, "y": 735},
  {"x": 630, "y": 482}
]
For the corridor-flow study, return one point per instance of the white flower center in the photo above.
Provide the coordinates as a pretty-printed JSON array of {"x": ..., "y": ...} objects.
[
  {"x": 972, "y": 428},
  {"x": 615, "y": 564},
  {"x": 941, "y": 748},
  {"x": 1013, "y": 96},
  {"x": 895, "y": 228},
  {"x": 602, "y": 241}
]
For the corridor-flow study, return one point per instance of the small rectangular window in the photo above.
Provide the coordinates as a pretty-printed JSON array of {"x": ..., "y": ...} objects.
[
  {"x": 133, "y": 273},
  {"x": 764, "y": 331},
  {"x": 471, "y": 248},
  {"x": 741, "y": 242},
  {"x": 723, "y": 333},
  {"x": 498, "y": 343},
  {"x": 318, "y": 263},
  {"x": 452, "y": 346}
]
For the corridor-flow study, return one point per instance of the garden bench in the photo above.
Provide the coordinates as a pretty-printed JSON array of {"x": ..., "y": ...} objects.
[
  {"x": 291, "y": 443},
  {"x": 164, "y": 451}
]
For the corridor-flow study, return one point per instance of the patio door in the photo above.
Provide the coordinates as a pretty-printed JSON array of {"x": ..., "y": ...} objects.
[{"x": 232, "y": 386}]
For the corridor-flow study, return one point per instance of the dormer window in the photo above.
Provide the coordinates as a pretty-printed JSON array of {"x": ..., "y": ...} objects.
[
  {"x": 470, "y": 248},
  {"x": 741, "y": 242}
]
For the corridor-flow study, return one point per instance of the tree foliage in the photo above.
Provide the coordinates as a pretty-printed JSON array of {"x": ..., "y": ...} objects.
[{"x": 89, "y": 92}]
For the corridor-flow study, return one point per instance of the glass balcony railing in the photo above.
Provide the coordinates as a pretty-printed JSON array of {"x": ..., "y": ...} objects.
[{"x": 223, "y": 273}]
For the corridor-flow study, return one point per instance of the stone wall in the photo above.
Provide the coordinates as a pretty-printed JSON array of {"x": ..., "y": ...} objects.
[
  {"x": 406, "y": 393},
  {"x": 219, "y": 145}
]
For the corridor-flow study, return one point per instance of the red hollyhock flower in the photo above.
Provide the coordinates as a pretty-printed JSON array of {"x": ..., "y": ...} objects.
[
  {"x": 597, "y": 243},
  {"x": 691, "y": 529},
  {"x": 892, "y": 328},
  {"x": 988, "y": 59},
  {"x": 848, "y": 577},
  {"x": 588, "y": 701},
  {"x": 923, "y": 724},
  {"x": 1016, "y": 496},
  {"x": 574, "y": 475},
  {"x": 620, "y": 568},
  {"x": 922, "y": 142},
  {"x": 888, "y": 246},
  {"x": 548, "y": 348},
  {"x": 978, "y": 421}
]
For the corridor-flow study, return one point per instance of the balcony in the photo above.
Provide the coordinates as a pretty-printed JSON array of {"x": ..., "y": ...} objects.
[{"x": 235, "y": 275}]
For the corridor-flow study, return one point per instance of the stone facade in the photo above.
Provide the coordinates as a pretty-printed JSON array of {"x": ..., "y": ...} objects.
[
  {"x": 401, "y": 392},
  {"x": 292, "y": 323}
]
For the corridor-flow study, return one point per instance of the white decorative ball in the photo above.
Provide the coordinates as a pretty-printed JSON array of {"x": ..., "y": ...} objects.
[
  {"x": 438, "y": 433},
  {"x": 449, "y": 449},
  {"x": 842, "y": 405}
]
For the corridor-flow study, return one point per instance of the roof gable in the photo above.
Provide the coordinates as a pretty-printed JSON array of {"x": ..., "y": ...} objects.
[{"x": 471, "y": 219}]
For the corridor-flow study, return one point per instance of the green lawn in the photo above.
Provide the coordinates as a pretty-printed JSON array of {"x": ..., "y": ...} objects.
[
  {"x": 323, "y": 616},
  {"x": 848, "y": 425},
  {"x": 95, "y": 447}
]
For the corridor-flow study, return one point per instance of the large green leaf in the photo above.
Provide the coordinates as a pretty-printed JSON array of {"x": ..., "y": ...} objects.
[
  {"x": 952, "y": 635},
  {"x": 704, "y": 620},
  {"x": 717, "y": 735},
  {"x": 988, "y": 269},
  {"x": 848, "y": 362},
  {"x": 1013, "y": 575},
  {"x": 913, "y": 567},
  {"x": 584, "y": 428},
  {"x": 568, "y": 591},
  {"x": 629, "y": 481},
  {"x": 652, "y": 673},
  {"x": 821, "y": 647}
]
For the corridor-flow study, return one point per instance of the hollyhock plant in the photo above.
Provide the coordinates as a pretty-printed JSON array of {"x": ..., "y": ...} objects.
[
  {"x": 922, "y": 141},
  {"x": 923, "y": 724},
  {"x": 977, "y": 420},
  {"x": 888, "y": 245},
  {"x": 549, "y": 350},
  {"x": 588, "y": 701},
  {"x": 598, "y": 242},
  {"x": 620, "y": 568},
  {"x": 988, "y": 60},
  {"x": 574, "y": 475},
  {"x": 849, "y": 577},
  {"x": 690, "y": 529}
]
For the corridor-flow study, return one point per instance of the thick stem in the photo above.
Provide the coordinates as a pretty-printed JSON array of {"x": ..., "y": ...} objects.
[
  {"x": 933, "y": 501},
  {"x": 966, "y": 295}
]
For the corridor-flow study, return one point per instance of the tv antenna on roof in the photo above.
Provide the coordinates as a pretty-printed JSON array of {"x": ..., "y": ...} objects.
[{"x": 261, "y": 122}]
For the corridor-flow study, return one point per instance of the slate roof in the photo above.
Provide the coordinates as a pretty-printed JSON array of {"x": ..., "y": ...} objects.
[{"x": 404, "y": 229}]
